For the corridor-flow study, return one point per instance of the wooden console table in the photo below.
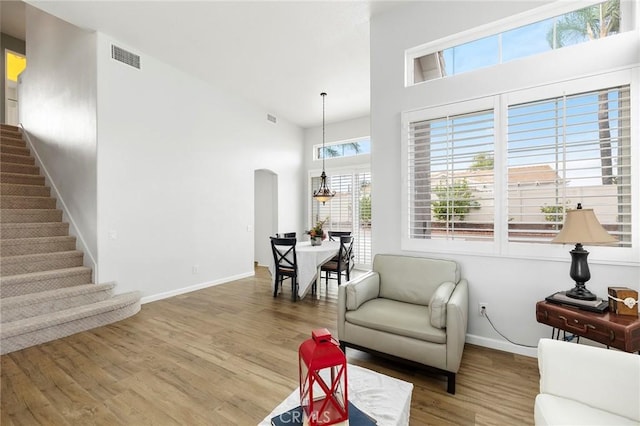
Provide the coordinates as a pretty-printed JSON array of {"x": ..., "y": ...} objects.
[{"x": 618, "y": 331}]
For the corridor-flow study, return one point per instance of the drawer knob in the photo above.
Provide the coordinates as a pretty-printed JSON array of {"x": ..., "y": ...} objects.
[{"x": 612, "y": 335}]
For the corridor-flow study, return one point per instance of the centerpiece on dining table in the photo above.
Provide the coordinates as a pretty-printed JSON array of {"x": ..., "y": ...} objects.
[{"x": 317, "y": 234}]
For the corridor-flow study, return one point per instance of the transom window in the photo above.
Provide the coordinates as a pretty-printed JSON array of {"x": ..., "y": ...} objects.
[
  {"x": 347, "y": 148},
  {"x": 578, "y": 26}
]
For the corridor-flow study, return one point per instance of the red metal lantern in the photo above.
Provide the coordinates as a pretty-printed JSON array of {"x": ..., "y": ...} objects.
[{"x": 323, "y": 380}]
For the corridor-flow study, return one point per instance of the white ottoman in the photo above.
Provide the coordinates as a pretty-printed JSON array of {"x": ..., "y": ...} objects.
[{"x": 386, "y": 399}]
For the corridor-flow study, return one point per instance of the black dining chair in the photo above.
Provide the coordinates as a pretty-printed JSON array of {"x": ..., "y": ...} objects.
[
  {"x": 286, "y": 235},
  {"x": 344, "y": 262},
  {"x": 337, "y": 234},
  {"x": 285, "y": 262}
]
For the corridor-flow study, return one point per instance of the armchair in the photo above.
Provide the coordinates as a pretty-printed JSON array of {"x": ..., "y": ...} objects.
[
  {"x": 411, "y": 308},
  {"x": 586, "y": 385}
]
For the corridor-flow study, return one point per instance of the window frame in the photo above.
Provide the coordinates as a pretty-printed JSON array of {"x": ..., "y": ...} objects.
[
  {"x": 503, "y": 25},
  {"x": 316, "y": 148},
  {"x": 500, "y": 246}
]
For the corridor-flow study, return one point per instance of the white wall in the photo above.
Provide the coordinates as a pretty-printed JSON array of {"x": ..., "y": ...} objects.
[
  {"x": 176, "y": 162},
  {"x": 334, "y": 132},
  {"x": 58, "y": 110},
  {"x": 509, "y": 286}
]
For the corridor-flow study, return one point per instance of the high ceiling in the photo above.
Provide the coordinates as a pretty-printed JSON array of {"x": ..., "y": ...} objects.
[{"x": 277, "y": 54}]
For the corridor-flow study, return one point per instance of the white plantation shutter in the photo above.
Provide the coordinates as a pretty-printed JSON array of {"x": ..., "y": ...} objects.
[
  {"x": 568, "y": 150},
  {"x": 344, "y": 210},
  {"x": 450, "y": 175}
]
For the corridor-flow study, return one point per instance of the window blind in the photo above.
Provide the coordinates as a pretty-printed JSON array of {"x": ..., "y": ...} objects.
[
  {"x": 567, "y": 150},
  {"x": 451, "y": 177},
  {"x": 349, "y": 210}
]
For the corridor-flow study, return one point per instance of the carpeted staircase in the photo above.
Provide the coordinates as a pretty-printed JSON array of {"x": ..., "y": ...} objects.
[{"x": 45, "y": 291}]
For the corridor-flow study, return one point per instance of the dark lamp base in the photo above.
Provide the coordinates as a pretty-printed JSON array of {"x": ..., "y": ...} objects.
[{"x": 580, "y": 292}]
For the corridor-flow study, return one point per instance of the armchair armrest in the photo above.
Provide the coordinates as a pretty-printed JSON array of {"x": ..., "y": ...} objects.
[
  {"x": 457, "y": 318},
  {"x": 354, "y": 293},
  {"x": 606, "y": 379}
]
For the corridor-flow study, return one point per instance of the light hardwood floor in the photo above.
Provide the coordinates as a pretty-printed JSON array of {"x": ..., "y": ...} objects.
[{"x": 227, "y": 355}]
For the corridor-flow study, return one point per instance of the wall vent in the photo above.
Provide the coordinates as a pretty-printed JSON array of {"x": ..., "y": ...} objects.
[
  {"x": 119, "y": 54},
  {"x": 272, "y": 118}
]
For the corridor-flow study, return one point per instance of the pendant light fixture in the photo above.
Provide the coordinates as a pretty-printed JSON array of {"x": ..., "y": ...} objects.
[{"x": 323, "y": 193}]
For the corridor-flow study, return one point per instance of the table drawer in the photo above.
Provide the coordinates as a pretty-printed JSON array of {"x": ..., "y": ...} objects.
[{"x": 575, "y": 323}]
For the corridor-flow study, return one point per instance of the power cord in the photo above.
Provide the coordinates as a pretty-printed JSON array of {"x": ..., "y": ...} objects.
[{"x": 484, "y": 313}]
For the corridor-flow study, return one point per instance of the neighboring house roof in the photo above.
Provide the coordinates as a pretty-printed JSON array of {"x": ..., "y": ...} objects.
[{"x": 525, "y": 175}]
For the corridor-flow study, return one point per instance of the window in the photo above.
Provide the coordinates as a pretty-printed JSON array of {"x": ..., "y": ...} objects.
[
  {"x": 578, "y": 26},
  {"x": 569, "y": 149},
  {"x": 501, "y": 171},
  {"x": 349, "y": 210},
  {"x": 450, "y": 177},
  {"x": 347, "y": 148}
]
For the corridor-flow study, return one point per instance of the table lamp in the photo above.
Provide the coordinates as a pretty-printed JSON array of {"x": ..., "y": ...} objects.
[{"x": 581, "y": 227}]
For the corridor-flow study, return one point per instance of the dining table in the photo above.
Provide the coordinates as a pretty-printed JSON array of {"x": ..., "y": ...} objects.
[{"x": 310, "y": 260}]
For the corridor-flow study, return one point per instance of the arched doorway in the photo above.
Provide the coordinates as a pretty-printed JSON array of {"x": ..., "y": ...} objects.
[{"x": 265, "y": 198}]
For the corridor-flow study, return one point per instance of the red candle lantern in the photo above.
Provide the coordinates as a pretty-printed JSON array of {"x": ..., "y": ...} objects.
[{"x": 323, "y": 380}]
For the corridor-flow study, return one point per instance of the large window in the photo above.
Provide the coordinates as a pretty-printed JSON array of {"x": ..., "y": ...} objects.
[
  {"x": 502, "y": 170},
  {"x": 349, "y": 210},
  {"x": 450, "y": 169},
  {"x": 574, "y": 27},
  {"x": 569, "y": 149}
]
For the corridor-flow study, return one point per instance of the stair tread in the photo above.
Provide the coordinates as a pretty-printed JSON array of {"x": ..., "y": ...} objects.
[
  {"x": 59, "y": 293},
  {"x": 44, "y": 275},
  {"x": 34, "y": 240},
  {"x": 31, "y": 324},
  {"x": 38, "y": 256},
  {"x": 11, "y": 225}
]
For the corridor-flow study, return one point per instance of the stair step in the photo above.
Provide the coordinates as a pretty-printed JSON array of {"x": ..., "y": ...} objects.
[
  {"x": 17, "y": 159},
  {"x": 33, "y": 230},
  {"x": 10, "y": 130},
  {"x": 25, "y": 169},
  {"x": 22, "y": 202},
  {"x": 21, "y": 178},
  {"x": 30, "y": 215},
  {"x": 35, "y": 330},
  {"x": 18, "y": 246},
  {"x": 34, "y": 304},
  {"x": 26, "y": 190},
  {"x": 16, "y": 285},
  {"x": 40, "y": 262},
  {"x": 17, "y": 150},
  {"x": 12, "y": 140}
]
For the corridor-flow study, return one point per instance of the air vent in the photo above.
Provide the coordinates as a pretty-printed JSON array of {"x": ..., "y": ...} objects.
[
  {"x": 272, "y": 118},
  {"x": 119, "y": 54}
]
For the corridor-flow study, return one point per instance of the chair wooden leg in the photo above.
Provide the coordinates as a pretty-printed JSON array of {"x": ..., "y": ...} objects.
[
  {"x": 451, "y": 383},
  {"x": 275, "y": 285}
]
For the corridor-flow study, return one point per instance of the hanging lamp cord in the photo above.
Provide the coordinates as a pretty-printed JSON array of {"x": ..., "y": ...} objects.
[{"x": 323, "y": 94}]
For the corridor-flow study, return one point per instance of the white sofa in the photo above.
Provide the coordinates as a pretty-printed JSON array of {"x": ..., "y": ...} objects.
[
  {"x": 585, "y": 385},
  {"x": 412, "y": 308}
]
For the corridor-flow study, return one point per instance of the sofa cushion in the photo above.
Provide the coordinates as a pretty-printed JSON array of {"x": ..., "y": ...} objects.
[
  {"x": 438, "y": 304},
  {"x": 391, "y": 316},
  {"x": 413, "y": 279},
  {"x": 556, "y": 410}
]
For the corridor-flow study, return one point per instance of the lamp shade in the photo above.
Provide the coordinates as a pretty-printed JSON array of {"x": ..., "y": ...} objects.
[{"x": 582, "y": 226}]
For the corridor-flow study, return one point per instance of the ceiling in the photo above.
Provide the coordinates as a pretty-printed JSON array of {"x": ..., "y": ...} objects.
[{"x": 277, "y": 54}]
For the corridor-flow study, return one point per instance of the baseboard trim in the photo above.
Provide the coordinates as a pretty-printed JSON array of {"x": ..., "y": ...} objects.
[
  {"x": 183, "y": 290},
  {"x": 501, "y": 346}
]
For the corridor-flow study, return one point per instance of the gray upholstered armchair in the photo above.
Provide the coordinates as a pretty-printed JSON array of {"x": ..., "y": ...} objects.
[{"x": 412, "y": 308}]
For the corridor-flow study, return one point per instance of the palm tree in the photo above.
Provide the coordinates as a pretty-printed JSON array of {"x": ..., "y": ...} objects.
[
  {"x": 597, "y": 21},
  {"x": 333, "y": 152}
]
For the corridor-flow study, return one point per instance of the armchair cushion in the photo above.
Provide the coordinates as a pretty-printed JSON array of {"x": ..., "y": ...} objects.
[
  {"x": 399, "y": 318},
  {"x": 438, "y": 304}
]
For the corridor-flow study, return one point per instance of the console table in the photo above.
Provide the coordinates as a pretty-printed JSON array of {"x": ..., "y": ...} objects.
[{"x": 618, "y": 331}]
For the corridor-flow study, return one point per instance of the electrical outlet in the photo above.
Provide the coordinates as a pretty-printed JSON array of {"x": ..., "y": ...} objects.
[
  {"x": 482, "y": 309},
  {"x": 195, "y": 269}
]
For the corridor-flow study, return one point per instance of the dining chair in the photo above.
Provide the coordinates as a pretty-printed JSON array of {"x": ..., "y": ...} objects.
[
  {"x": 286, "y": 235},
  {"x": 344, "y": 262},
  {"x": 285, "y": 262},
  {"x": 337, "y": 234}
]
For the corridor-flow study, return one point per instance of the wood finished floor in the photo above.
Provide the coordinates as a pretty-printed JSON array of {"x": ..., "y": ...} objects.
[{"x": 227, "y": 355}]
